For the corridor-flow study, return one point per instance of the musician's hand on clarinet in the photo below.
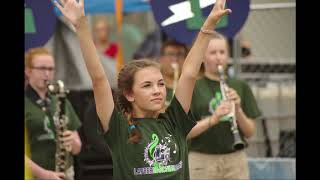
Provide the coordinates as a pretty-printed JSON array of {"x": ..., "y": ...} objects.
[
  {"x": 223, "y": 109},
  {"x": 71, "y": 9},
  {"x": 69, "y": 139},
  {"x": 234, "y": 96},
  {"x": 52, "y": 175},
  {"x": 218, "y": 11}
]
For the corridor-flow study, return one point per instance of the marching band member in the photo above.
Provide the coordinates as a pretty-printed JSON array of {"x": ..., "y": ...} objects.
[{"x": 39, "y": 110}]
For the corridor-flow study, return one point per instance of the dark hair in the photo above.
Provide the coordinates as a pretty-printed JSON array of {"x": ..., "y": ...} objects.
[
  {"x": 173, "y": 43},
  {"x": 125, "y": 84}
]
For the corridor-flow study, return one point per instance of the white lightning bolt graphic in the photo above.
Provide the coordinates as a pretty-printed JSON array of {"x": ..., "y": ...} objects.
[{"x": 182, "y": 11}]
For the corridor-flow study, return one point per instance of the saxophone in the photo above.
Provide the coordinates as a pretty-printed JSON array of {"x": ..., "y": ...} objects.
[
  {"x": 238, "y": 143},
  {"x": 60, "y": 121}
]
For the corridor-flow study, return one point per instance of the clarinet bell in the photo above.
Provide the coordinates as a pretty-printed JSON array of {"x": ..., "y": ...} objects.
[{"x": 238, "y": 143}]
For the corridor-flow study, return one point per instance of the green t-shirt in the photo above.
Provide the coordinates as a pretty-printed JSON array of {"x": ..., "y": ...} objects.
[
  {"x": 206, "y": 97},
  {"x": 162, "y": 152},
  {"x": 41, "y": 131}
]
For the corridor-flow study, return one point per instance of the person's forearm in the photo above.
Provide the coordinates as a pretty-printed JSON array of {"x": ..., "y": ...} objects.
[
  {"x": 246, "y": 124},
  {"x": 89, "y": 51},
  {"x": 191, "y": 66},
  {"x": 35, "y": 169},
  {"x": 100, "y": 84},
  {"x": 195, "y": 57},
  {"x": 201, "y": 126},
  {"x": 196, "y": 54}
]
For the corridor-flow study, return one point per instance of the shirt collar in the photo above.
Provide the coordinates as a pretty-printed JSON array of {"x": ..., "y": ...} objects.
[{"x": 35, "y": 98}]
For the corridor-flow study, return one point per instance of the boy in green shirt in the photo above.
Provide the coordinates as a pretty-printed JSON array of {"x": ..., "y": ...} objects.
[{"x": 39, "y": 110}]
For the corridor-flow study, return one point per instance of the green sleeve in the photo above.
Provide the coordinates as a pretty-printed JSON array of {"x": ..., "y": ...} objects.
[
  {"x": 193, "y": 107},
  {"x": 117, "y": 127},
  {"x": 179, "y": 117},
  {"x": 74, "y": 122},
  {"x": 249, "y": 104}
]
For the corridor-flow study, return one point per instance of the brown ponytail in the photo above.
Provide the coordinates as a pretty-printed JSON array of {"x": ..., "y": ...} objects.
[{"x": 134, "y": 133}]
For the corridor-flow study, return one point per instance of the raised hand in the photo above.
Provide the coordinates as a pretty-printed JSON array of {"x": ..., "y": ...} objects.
[
  {"x": 71, "y": 9},
  {"x": 218, "y": 10}
]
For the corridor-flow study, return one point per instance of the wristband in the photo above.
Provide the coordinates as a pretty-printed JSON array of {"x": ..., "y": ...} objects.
[{"x": 207, "y": 31}]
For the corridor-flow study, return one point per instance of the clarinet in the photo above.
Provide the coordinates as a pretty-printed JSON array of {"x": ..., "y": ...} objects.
[
  {"x": 238, "y": 143},
  {"x": 175, "y": 67},
  {"x": 60, "y": 121}
]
